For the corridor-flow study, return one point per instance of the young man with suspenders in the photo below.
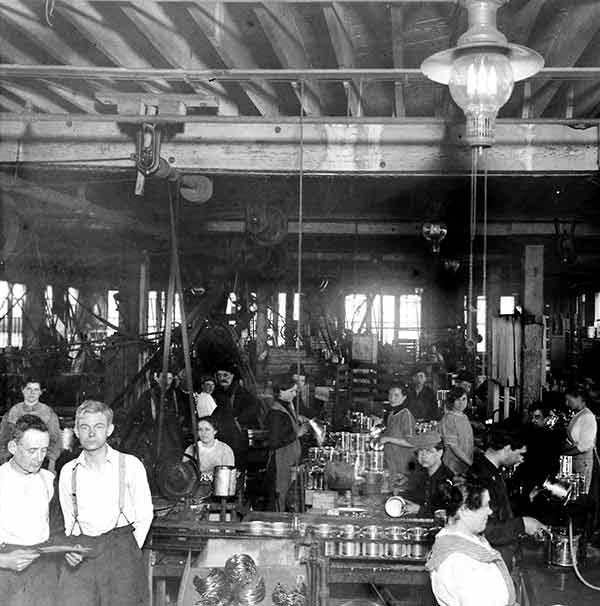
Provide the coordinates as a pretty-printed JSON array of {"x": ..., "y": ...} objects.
[{"x": 107, "y": 505}]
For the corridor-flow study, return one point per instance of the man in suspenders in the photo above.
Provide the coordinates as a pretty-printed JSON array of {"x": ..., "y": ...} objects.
[
  {"x": 106, "y": 504},
  {"x": 26, "y": 578}
]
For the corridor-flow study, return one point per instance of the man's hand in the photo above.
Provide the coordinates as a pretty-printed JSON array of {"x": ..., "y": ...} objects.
[
  {"x": 73, "y": 558},
  {"x": 534, "y": 527},
  {"x": 18, "y": 559}
]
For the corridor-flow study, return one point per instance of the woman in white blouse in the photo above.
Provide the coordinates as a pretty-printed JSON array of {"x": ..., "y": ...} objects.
[
  {"x": 212, "y": 452},
  {"x": 465, "y": 570},
  {"x": 581, "y": 434}
]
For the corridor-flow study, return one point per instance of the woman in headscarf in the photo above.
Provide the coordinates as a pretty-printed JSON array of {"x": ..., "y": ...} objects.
[{"x": 284, "y": 428}]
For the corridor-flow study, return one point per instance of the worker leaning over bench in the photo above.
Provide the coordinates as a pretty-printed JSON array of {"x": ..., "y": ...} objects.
[{"x": 106, "y": 503}]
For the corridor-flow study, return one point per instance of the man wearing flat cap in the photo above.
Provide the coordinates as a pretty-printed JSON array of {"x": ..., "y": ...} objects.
[
  {"x": 237, "y": 410},
  {"x": 421, "y": 399},
  {"x": 424, "y": 483}
]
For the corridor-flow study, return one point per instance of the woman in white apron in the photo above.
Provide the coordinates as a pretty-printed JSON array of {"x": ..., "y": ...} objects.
[{"x": 581, "y": 434}]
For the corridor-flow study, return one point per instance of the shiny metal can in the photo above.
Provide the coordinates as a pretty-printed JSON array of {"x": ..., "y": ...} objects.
[{"x": 565, "y": 465}]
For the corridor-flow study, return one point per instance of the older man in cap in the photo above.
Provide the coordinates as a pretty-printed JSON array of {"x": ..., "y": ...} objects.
[
  {"x": 237, "y": 410},
  {"x": 423, "y": 489}
]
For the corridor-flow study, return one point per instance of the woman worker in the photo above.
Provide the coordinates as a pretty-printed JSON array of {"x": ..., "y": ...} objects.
[
  {"x": 284, "y": 428},
  {"x": 457, "y": 432},
  {"x": 581, "y": 433},
  {"x": 212, "y": 452},
  {"x": 398, "y": 451},
  {"x": 465, "y": 570}
]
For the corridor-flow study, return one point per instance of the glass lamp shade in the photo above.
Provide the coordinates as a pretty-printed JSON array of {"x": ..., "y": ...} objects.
[{"x": 481, "y": 82}]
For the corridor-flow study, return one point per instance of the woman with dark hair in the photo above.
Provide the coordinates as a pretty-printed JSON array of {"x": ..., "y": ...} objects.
[
  {"x": 284, "y": 428},
  {"x": 400, "y": 425},
  {"x": 581, "y": 433},
  {"x": 211, "y": 452},
  {"x": 457, "y": 432},
  {"x": 465, "y": 570}
]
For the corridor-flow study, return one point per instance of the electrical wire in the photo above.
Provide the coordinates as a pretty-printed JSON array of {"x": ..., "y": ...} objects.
[
  {"x": 484, "y": 268},
  {"x": 574, "y": 559}
]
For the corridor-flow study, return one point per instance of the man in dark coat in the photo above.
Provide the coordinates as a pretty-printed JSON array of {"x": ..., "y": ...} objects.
[
  {"x": 421, "y": 399},
  {"x": 237, "y": 411},
  {"x": 503, "y": 528}
]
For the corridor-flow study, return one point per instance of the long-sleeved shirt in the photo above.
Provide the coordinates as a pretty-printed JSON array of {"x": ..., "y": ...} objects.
[
  {"x": 44, "y": 412},
  {"x": 457, "y": 433},
  {"x": 98, "y": 496},
  {"x": 218, "y": 454},
  {"x": 24, "y": 505}
]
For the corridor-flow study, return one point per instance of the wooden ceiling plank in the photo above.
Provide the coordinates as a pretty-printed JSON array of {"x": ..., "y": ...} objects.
[
  {"x": 391, "y": 147},
  {"x": 156, "y": 25},
  {"x": 518, "y": 25},
  {"x": 79, "y": 205},
  {"x": 573, "y": 30},
  {"x": 92, "y": 24},
  {"x": 83, "y": 102},
  {"x": 344, "y": 50},
  {"x": 27, "y": 22},
  {"x": 280, "y": 26},
  {"x": 223, "y": 33},
  {"x": 11, "y": 105},
  {"x": 397, "y": 17},
  {"x": 33, "y": 97}
]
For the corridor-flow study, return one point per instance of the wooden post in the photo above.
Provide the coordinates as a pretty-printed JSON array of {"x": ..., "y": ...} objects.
[
  {"x": 261, "y": 334},
  {"x": 533, "y": 332},
  {"x": 494, "y": 291}
]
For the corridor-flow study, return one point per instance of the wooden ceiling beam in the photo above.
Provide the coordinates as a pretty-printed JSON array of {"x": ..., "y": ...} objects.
[
  {"x": 263, "y": 146},
  {"x": 405, "y": 228},
  {"x": 282, "y": 28},
  {"x": 397, "y": 20},
  {"x": 160, "y": 31},
  {"x": 223, "y": 33},
  {"x": 562, "y": 43},
  {"x": 98, "y": 216},
  {"x": 93, "y": 25},
  {"x": 341, "y": 41},
  {"x": 32, "y": 97}
]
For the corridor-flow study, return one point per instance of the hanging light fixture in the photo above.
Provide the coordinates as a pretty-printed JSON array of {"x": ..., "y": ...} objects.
[{"x": 482, "y": 69}]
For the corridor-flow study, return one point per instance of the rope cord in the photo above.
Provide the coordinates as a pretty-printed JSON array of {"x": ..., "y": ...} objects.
[
  {"x": 484, "y": 268},
  {"x": 300, "y": 219},
  {"x": 472, "y": 230}
]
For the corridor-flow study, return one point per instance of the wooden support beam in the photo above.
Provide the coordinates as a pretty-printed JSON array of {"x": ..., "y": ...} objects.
[
  {"x": 533, "y": 332},
  {"x": 373, "y": 147},
  {"x": 341, "y": 41},
  {"x": 283, "y": 27},
  {"x": 223, "y": 32},
  {"x": 155, "y": 24},
  {"x": 103, "y": 218}
]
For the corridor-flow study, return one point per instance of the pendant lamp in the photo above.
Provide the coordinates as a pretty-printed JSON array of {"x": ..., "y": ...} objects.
[{"x": 482, "y": 69}]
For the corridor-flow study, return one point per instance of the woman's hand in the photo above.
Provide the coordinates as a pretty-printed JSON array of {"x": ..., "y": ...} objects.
[
  {"x": 73, "y": 558},
  {"x": 19, "y": 559}
]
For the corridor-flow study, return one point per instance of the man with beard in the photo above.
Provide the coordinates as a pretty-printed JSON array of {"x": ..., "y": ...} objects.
[{"x": 237, "y": 410}]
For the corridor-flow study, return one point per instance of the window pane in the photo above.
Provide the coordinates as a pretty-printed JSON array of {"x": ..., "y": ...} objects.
[
  {"x": 481, "y": 313},
  {"x": 354, "y": 311},
  {"x": 152, "y": 311}
]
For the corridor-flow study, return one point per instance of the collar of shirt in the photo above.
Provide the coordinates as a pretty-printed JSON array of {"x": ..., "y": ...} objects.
[{"x": 112, "y": 456}]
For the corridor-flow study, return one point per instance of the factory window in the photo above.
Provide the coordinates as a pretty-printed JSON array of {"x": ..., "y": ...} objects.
[
  {"x": 391, "y": 316},
  {"x": 12, "y": 301},
  {"x": 157, "y": 311},
  {"x": 409, "y": 317},
  {"x": 597, "y": 308}
]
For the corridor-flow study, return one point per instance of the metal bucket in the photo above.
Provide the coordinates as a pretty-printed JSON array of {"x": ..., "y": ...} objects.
[
  {"x": 558, "y": 549},
  {"x": 224, "y": 481}
]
